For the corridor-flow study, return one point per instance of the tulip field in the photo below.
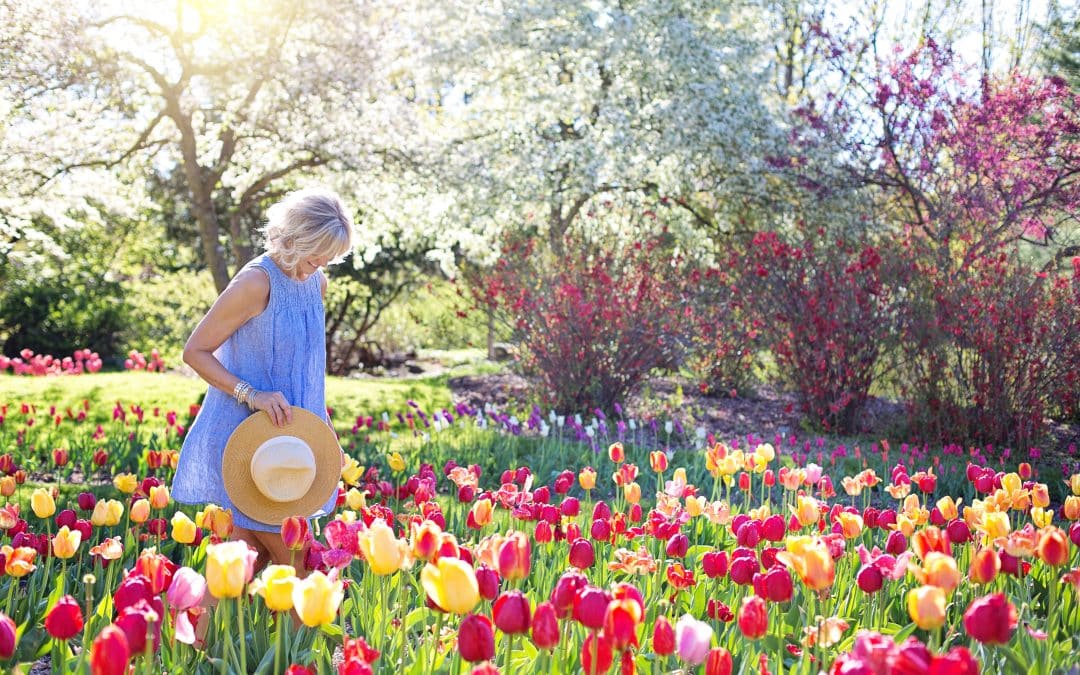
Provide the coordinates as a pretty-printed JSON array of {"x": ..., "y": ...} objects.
[{"x": 470, "y": 541}]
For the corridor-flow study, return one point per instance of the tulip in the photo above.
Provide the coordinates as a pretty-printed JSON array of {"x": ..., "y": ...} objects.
[
  {"x": 991, "y": 619},
  {"x": 869, "y": 578},
  {"x": 215, "y": 519},
  {"x": 18, "y": 561},
  {"x": 545, "y": 626},
  {"x": 582, "y": 555},
  {"x": 809, "y": 557},
  {"x": 693, "y": 639},
  {"x": 985, "y": 565},
  {"x": 487, "y": 581},
  {"x": 396, "y": 462},
  {"x": 718, "y": 662},
  {"x": 187, "y": 589},
  {"x": 515, "y": 556},
  {"x": 616, "y": 453},
  {"x": 1053, "y": 547},
  {"x": 596, "y": 654},
  {"x": 481, "y": 514},
  {"x": 126, "y": 482},
  {"x": 621, "y": 620},
  {"x": 276, "y": 585},
  {"x": 426, "y": 539},
  {"x": 109, "y": 654},
  {"x": 42, "y": 503},
  {"x": 141, "y": 624},
  {"x": 7, "y": 486},
  {"x": 451, "y": 583},
  {"x": 159, "y": 496},
  {"x": 183, "y": 528},
  {"x": 229, "y": 566},
  {"x": 476, "y": 638},
  {"x": 86, "y": 501},
  {"x": 777, "y": 585},
  {"x": 9, "y": 637},
  {"x": 566, "y": 590},
  {"x": 663, "y": 641},
  {"x": 590, "y": 607},
  {"x": 587, "y": 478},
  {"x": 715, "y": 564},
  {"x": 658, "y": 460},
  {"x": 926, "y": 606},
  {"x": 66, "y": 543},
  {"x": 295, "y": 533},
  {"x": 940, "y": 570},
  {"x": 753, "y": 617},
  {"x": 65, "y": 619},
  {"x": 384, "y": 552},
  {"x": 140, "y": 511},
  {"x": 316, "y": 598},
  {"x": 511, "y": 612}
]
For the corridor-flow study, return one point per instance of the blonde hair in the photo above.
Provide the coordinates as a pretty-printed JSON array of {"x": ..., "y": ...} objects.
[{"x": 311, "y": 222}]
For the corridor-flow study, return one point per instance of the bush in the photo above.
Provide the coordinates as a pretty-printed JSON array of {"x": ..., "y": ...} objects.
[
  {"x": 596, "y": 321},
  {"x": 992, "y": 350},
  {"x": 726, "y": 335},
  {"x": 828, "y": 312},
  {"x": 164, "y": 309}
]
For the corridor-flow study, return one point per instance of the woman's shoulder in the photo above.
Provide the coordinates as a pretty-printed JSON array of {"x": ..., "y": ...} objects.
[{"x": 251, "y": 285}]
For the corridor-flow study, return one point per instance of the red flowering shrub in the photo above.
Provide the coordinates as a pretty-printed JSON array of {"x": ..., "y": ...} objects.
[
  {"x": 594, "y": 323},
  {"x": 828, "y": 315},
  {"x": 726, "y": 336}
]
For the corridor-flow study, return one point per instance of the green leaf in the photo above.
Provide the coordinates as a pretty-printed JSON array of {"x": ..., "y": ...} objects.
[{"x": 1015, "y": 659}]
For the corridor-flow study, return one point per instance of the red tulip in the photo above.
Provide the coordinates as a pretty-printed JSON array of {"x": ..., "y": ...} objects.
[
  {"x": 65, "y": 619},
  {"x": 545, "y": 626},
  {"x": 985, "y": 565},
  {"x": 8, "y": 637},
  {"x": 581, "y": 554},
  {"x": 476, "y": 638},
  {"x": 777, "y": 585},
  {"x": 297, "y": 669},
  {"x": 991, "y": 619},
  {"x": 753, "y": 617},
  {"x": 110, "y": 653},
  {"x": 896, "y": 543},
  {"x": 566, "y": 591},
  {"x": 663, "y": 638},
  {"x": 715, "y": 564},
  {"x": 601, "y": 511},
  {"x": 958, "y": 531},
  {"x": 141, "y": 619},
  {"x": 511, "y": 612},
  {"x": 677, "y": 545},
  {"x": 590, "y": 606},
  {"x": 570, "y": 507},
  {"x": 773, "y": 528},
  {"x": 621, "y": 621},
  {"x": 600, "y": 530},
  {"x": 1053, "y": 547},
  {"x": 958, "y": 661},
  {"x": 543, "y": 533},
  {"x": 515, "y": 556},
  {"x": 86, "y": 501},
  {"x": 487, "y": 580},
  {"x": 718, "y": 662},
  {"x": 485, "y": 669},
  {"x": 596, "y": 654},
  {"x": 870, "y": 578}
]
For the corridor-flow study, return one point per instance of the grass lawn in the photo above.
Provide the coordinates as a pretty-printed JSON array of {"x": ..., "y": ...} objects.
[{"x": 171, "y": 391}]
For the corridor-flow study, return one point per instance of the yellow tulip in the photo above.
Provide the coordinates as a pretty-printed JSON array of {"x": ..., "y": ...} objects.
[
  {"x": 806, "y": 510},
  {"x": 1011, "y": 483},
  {"x": 42, "y": 503},
  {"x": 587, "y": 478},
  {"x": 396, "y": 462},
  {"x": 317, "y": 599},
  {"x": 451, "y": 583},
  {"x": 228, "y": 567},
  {"x": 66, "y": 543},
  {"x": 276, "y": 585},
  {"x": 384, "y": 552},
  {"x": 216, "y": 519},
  {"x": 695, "y": 505},
  {"x": 97, "y": 518},
  {"x": 183, "y": 529},
  {"x": 355, "y": 499},
  {"x": 995, "y": 524},
  {"x": 809, "y": 557},
  {"x": 1074, "y": 484},
  {"x": 948, "y": 508},
  {"x": 126, "y": 482},
  {"x": 352, "y": 471},
  {"x": 926, "y": 606},
  {"x": 114, "y": 511},
  {"x": 18, "y": 562},
  {"x": 140, "y": 511},
  {"x": 632, "y": 492},
  {"x": 1041, "y": 517},
  {"x": 851, "y": 524}
]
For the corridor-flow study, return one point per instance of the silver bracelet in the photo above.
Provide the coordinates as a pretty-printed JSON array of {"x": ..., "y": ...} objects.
[{"x": 242, "y": 392}]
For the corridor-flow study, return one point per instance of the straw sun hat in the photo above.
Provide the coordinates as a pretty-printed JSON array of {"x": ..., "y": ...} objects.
[{"x": 272, "y": 473}]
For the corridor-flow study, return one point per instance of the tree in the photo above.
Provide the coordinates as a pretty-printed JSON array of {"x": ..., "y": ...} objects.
[{"x": 238, "y": 99}]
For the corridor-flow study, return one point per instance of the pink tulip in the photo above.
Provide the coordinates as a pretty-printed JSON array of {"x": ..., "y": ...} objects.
[{"x": 693, "y": 639}]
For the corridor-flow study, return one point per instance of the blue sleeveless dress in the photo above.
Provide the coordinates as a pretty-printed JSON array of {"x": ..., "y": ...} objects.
[{"x": 282, "y": 349}]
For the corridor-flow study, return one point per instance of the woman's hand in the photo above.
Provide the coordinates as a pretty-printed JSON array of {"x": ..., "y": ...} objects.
[{"x": 275, "y": 405}]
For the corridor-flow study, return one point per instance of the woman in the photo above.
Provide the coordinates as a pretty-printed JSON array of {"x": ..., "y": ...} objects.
[{"x": 262, "y": 347}]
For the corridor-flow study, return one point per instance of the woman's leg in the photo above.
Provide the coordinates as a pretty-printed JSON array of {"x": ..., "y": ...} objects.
[
  {"x": 279, "y": 554},
  {"x": 250, "y": 537}
]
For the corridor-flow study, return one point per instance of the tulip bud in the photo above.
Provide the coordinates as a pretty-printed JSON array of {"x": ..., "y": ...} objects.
[
  {"x": 581, "y": 554},
  {"x": 476, "y": 638},
  {"x": 1053, "y": 547},
  {"x": 694, "y": 638},
  {"x": 991, "y": 619},
  {"x": 65, "y": 619},
  {"x": 869, "y": 579},
  {"x": 110, "y": 653},
  {"x": 511, "y": 612},
  {"x": 658, "y": 460},
  {"x": 663, "y": 642},
  {"x": 677, "y": 545},
  {"x": 86, "y": 501},
  {"x": 985, "y": 565},
  {"x": 896, "y": 543},
  {"x": 590, "y": 606},
  {"x": 545, "y": 626},
  {"x": 8, "y": 637},
  {"x": 753, "y": 617},
  {"x": 715, "y": 564},
  {"x": 718, "y": 662}
]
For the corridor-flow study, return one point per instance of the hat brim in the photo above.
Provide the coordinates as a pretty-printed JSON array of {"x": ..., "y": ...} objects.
[{"x": 256, "y": 430}]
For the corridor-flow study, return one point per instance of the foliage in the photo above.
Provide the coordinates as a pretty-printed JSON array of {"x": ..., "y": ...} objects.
[{"x": 598, "y": 320}]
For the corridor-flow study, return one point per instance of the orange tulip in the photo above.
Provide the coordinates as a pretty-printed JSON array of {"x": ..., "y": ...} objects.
[
  {"x": 616, "y": 453},
  {"x": 18, "y": 562},
  {"x": 658, "y": 461},
  {"x": 587, "y": 478},
  {"x": 809, "y": 557},
  {"x": 1053, "y": 547},
  {"x": 426, "y": 538},
  {"x": 940, "y": 570},
  {"x": 632, "y": 492},
  {"x": 66, "y": 543},
  {"x": 481, "y": 514}
]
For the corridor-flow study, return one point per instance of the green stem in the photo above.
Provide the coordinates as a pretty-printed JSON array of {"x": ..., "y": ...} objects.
[
  {"x": 243, "y": 635},
  {"x": 226, "y": 653}
]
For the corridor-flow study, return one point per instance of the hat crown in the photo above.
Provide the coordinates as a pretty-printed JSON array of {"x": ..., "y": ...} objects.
[{"x": 283, "y": 468}]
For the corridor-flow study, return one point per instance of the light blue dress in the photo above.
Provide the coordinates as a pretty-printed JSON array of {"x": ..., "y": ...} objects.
[{"x": 282, "y": 349}]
